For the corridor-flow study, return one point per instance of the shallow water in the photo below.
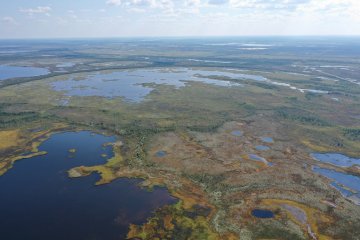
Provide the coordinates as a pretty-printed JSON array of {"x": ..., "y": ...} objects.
[
  {"x": 347, "y": 184},
  {"x": 39, "y": 201},
  {"x": 298, "y": 213},
  {"x": 130, "y": 83},
  {"x": 262, "y": 213},
  {"x": 7, "y": 72},
  {"x": 336, "y": 159}
]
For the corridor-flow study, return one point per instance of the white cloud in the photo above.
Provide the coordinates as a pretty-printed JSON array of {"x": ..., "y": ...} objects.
[
  {"x": 142, "y": 3},
  {"x": 345, "y": 8},
  {"x": 193, "y": 17},
  {"x": 137, "y": 10},
  {"x": 192, "y": 3},
  {"x": 38, "y": 10},
  {"x": 165, "y": 7},
  {"x": 113, "y": 2},
  {"x": 267, "y": 4},
  {"x": 9, "y": 20},
  {"x": 218, "y": 2}
]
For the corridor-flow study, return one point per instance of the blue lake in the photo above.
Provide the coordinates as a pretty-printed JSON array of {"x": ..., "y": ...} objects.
[
  {"x": 135, "y": 85},
  {"x": 347, "y": 184},
  {"x": 262, "y": 213},
  {"x": 336, "y": 159},
  {"x": 7, "y": 72},
  {"x": 39, "y": 201}
]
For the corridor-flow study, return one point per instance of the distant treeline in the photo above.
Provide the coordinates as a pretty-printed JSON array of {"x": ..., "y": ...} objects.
[
  {"x": 16, "y": 119},
  {"x": 352, "y": 133},
  {"x": 301, "y": 116}
]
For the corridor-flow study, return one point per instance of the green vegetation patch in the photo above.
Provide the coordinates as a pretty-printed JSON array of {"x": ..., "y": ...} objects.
[
  {"x": 352, "y": 133},
  {"x": 173, "y": 222},
  {"x": 269, "y": 231},
  {"x": 301, "y": 116},
  {"x": 16, "y": 119}
]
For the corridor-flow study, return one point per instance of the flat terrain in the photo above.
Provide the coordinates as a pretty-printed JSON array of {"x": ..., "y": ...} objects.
[{"x": 225, "y": 129}]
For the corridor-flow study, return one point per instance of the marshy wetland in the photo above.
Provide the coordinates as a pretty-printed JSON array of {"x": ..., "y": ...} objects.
[{"x": 181, "y": 139}]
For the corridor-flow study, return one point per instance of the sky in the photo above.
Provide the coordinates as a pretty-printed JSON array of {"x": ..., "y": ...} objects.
[{"x": 141, "y": 18}]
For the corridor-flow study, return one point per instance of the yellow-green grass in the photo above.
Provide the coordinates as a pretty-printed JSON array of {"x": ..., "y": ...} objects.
[
  {"x": 26, "y": 143},
  {"x": 106, "y": 171},
  {"x": 9, "y": 138},
  {"x": 313, "y": 216}
]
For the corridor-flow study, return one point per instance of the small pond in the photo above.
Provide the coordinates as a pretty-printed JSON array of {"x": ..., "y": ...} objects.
[
  {"x": 262, "y": 148},
  {"x": 262, "y": 213},
  {"x": 267, "y": 139},
  {"x": 237, "y": 133},
  {"x": 160, "y": 154}
]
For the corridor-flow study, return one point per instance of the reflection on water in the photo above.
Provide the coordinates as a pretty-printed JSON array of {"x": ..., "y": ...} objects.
[{"x": 39, "y": 201}]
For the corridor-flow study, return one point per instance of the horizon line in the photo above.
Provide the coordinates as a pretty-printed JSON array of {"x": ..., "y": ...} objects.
[{"x": 183, "y": 37}]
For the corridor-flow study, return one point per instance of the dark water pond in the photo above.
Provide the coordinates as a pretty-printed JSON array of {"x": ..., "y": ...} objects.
[
  {"x": 130, "y": 84},
  {"x": 38, "y": 200},
  {"x": 336, "y": 159},
  {"x": 262, "y": 213},
  {"x": 7, "y": 72}
]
